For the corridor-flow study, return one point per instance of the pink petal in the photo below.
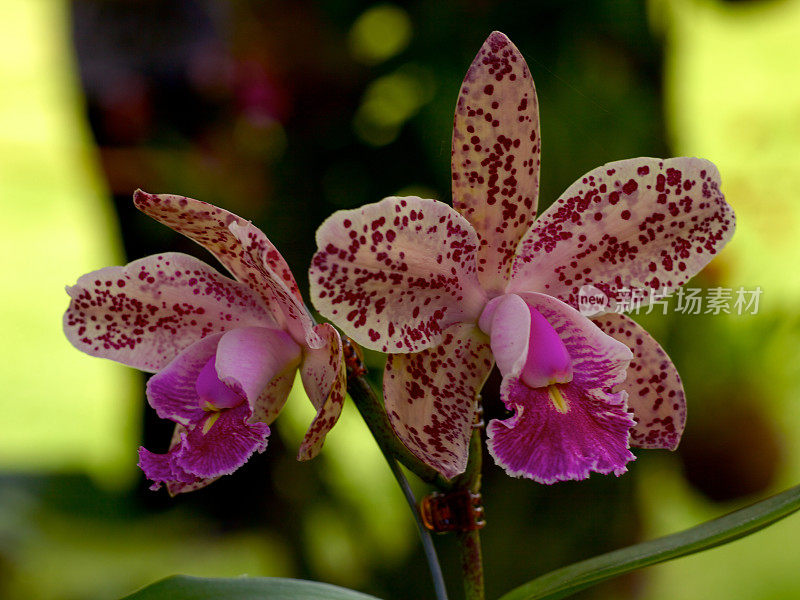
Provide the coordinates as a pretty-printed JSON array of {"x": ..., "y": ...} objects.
[
  {"x": 145, "y": 313},
  {"x": 325, "y": 382},
  {"x": 395, "y": 274},
  {"x": 655, "y": 391},
  {"x": 507, "y": 321},
  {"x": 524, "y": 343},
  {"x": 222, "y": 447},
  {"x": 249, "y": 358},
  {"x": 161, "y": 468},
  {"x": 431, "y": 396},
  {"x": 221, "y": 443},
  {"x": 209, "y": 226},
  {"x": 598, "y": 360},
  {"x": 643, "y": 224},
  {"x": 548, "y": 361},
  {"x": 172, "y": 392},
  {"x": 547, "y": 445},
  {"x": 496, "y": 151},
  {"x": 287, "y": 306},
  {"x": 211, "y": 391}
]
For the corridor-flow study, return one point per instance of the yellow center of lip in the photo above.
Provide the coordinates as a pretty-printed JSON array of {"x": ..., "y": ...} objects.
[
  {"x": 557, "y": 399},
  {"x": 210, "y": 422}
]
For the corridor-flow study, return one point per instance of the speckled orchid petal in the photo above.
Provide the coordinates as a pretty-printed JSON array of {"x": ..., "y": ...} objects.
[
  {"x": 248, "y": 358},
  {"x": 145, "y": 313},
  {"x": 567, "y": 430},
  {"x": 395, "y": 274},
  {"x": 655, "y": 391},
  {"x": 431, "y": 396},
  {"x": 325, "y": 382},
  {"x": 289, "y": 310},
  {"x": 495, "y": 155},
  {"x": 642, "y": 224},
  {"x": 209, "y": 226}
]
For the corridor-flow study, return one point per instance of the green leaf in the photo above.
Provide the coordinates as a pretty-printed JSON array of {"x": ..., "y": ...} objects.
[
  {"x": 573, "y": 578},
  {"x": 181, "y": 587}
]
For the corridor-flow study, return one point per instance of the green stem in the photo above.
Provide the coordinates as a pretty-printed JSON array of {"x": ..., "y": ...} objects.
[
  {"x": 374, "y": 416},
  {"x": 469, "y": 542},
  {"x": 424, "y": 534}
]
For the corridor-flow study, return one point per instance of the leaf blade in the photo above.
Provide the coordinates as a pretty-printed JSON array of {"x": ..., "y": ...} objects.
[
  {"x": 183, "y": 587},
  {"x": 573, "y": 578}
]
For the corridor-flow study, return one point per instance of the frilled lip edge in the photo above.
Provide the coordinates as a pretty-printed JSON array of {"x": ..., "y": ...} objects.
[
  {"x": 546, "y": 444},
  {"x": 201, "y": 453}
]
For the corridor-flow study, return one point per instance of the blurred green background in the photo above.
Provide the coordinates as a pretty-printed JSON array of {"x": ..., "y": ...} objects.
[{"x": 285, "y": 111}]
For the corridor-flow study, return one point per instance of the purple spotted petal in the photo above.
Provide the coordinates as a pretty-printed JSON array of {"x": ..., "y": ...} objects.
[
  {"x": 431, "y": 396},
  {"x": 544, "y": 444},
  {"x": 249, "y": 358},
  {"x": 566, "y": 431},
  {"x": 288, "y": 310},
  {"x": 209, "y": 226},
  {"x": 642, "y": 224},
  {"x": 655, "y": 391},
  {"x": 496, "y": 149},
  {"x": 325, "y": 382},
  {"x": 395, "y": 274},
  {"x": 145, "y": 313}
]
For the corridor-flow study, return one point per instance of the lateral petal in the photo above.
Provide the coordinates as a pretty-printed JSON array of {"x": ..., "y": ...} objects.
[
  {"x": 325, "y": 382},
  {"x": 431, "y": 396},
  {"x": 286, "y": 305},
  {"x": 145, "y": 313},
  {"x": 627, "y": 227},
  {"x": 495, "y": 155},
  {"x": 655, "y": 390},
  {"x": 395, "y": 274}
]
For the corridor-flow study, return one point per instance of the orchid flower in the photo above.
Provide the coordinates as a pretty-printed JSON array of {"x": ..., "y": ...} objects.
[
  {"x": 449, "y": 292},
  {"x": 225, "y": 352}
]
